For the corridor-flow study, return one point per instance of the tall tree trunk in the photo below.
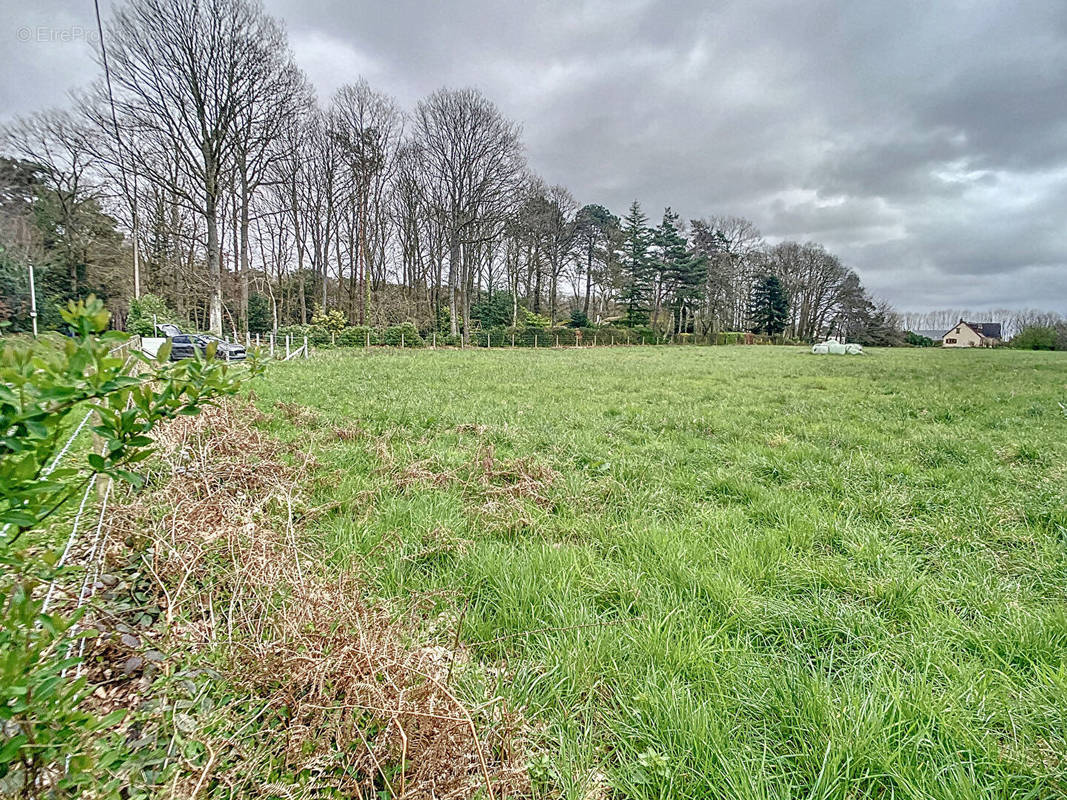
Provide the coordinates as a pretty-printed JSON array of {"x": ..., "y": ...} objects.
[
  {"x": 214, "y": 263},
  {"x": 243, "y": 246},
  {"x": 537, "y": 282},
  {"x": 588, "y": 280},
  {"x": 453, "y": 269}
]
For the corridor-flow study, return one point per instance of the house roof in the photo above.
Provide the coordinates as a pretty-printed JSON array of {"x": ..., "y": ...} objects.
[
  {"x": 990, "y": 330},
  {"x": 987, "y": 330}
]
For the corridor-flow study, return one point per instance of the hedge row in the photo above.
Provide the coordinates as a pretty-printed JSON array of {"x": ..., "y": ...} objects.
[{"x": 407, "y": 335}]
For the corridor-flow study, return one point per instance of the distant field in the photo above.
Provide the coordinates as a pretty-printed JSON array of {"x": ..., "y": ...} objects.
[{"x": 743, "y": 572}]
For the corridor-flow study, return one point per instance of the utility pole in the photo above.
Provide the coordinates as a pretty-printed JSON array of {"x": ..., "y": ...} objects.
[{"x": 33, "y": 301}]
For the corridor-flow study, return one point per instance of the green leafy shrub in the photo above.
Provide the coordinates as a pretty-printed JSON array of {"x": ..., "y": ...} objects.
[
  {"x": 579, "y": 319},
  {"x": 316, "y": 335},
  {"x": 298, "y": 332},
  {"x": 55, "y": 747},
  {"x": 357, "y": 336},
  {"x": 494, "y": 313},
  {"x": 260, "y": 318},
  {"x": 149, "y": 310},
  {"x": 406, "y": 335},
  {"x": 333, "y": 321},
  {"x": 528, "y": 319},
  {"x": 1035, "y": 337}
]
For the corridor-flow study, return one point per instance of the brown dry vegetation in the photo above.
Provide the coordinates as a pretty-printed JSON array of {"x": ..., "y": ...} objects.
[
  {"x": 499, "y": 490},
  {"x": 348, "y": 698}
]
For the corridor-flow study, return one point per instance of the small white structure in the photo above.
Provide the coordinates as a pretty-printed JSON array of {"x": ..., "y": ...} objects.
[
  {"x": 150, "y": 345},
  {"x": 835, "y": 348}
]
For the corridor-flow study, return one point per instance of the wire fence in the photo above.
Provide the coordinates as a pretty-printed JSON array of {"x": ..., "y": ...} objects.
[
  {"x": 285, "y": 346},
  {"x": 91, "y": 561}
]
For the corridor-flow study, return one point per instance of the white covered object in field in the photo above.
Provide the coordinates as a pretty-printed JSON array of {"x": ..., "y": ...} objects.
[{"x": 834, "y": 347}]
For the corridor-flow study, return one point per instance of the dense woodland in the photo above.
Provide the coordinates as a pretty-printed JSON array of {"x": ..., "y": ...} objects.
[{"x": 200, "y": 168}]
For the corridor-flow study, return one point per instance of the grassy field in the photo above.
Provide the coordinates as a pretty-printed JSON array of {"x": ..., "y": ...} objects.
[{"x": 722, "y": 572}]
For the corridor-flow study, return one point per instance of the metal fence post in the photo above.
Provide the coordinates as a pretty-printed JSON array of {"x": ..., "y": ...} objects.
[
  {"x": 557, "y": 340},
  {"x": 307, "y": 353},
  {"x": 368, "y": 338},
  {"x": 487, "y": 343},
  {"x": 435, "y": 340},
  {"x": 401, "y": 340},
  {"x": 272, "y": 345},
  {"x": 535, "y": 341},
  {"x": 287, "y": 346}
]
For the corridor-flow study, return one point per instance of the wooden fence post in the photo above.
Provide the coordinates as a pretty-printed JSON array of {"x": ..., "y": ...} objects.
[
  {"x": 434, "y": 340},
  {"x": 487, "y": 342},
  {"x": 535, "y": 341},
  {"x": 557, "y": 340},
  {"x": 307, "y": 353},
  {"x": 272, "y": 345},
  {"x": 287, "y": 340}
]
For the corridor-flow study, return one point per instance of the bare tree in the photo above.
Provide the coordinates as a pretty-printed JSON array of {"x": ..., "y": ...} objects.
[
  {"x": 472, "y": 162},
  {"x": 185, "y": 74},
  {"x": 368, "y": 127},
  {"x": 733, "y": 247},
  {"x": 56, "y": 143},
  {"x": 279, "y": 93}
]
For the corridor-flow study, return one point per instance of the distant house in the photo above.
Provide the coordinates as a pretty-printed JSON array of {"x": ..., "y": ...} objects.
[{"x": 972, "y": 334}]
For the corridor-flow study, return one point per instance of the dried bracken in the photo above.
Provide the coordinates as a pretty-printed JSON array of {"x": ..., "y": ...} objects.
[
  {"x": 367, "y": 707},
  {"x": 494, "y": 480},
  {"x": 298, "y": 414}
]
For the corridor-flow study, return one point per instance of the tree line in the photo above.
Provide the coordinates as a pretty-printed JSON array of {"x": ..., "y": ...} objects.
[
  {"x": 1013, "y": 320},
  {"x": 200, "y": 168}
]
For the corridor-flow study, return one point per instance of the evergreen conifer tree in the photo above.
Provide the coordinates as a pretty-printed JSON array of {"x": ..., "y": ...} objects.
[
  {"x": 768, "y": 307},
  {"x": 680, "y": 271},
  {"x": 637, "y": 267}
]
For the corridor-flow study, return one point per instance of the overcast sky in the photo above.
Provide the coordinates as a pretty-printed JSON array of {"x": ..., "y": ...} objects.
[{"x": 923, "y": 142}]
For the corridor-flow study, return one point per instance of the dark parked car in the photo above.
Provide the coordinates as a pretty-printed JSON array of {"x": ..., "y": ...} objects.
[{"x": 183, "y": 345}]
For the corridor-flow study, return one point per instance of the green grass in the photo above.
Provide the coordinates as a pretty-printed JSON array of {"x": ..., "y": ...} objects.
[{"x": 796, "y": 576}]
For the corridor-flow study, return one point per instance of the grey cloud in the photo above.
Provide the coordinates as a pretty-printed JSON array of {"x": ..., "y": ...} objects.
[{"x": 925, "y": 143}]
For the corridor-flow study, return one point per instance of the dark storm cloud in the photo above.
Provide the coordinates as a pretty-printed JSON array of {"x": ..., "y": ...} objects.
[{"x": 925, "y": 143}]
